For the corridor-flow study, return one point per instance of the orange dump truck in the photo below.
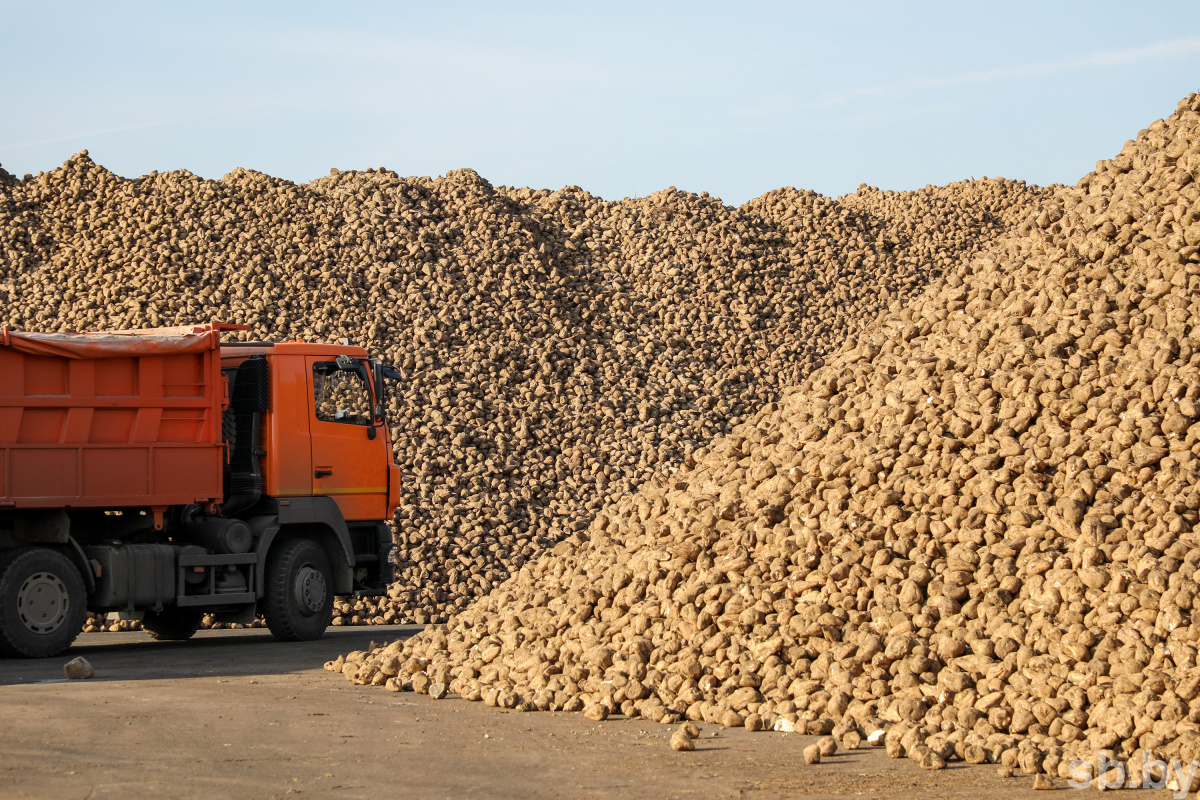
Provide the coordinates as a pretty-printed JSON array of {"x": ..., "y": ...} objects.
[{"x": 164, "y": 474}]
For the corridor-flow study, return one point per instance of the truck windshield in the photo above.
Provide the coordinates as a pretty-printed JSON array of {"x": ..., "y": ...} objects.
[{"x": 341, "y": 396}]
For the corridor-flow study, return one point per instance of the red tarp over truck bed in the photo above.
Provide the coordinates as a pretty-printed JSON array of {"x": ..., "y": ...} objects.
[{"x": 131, "y": 418}]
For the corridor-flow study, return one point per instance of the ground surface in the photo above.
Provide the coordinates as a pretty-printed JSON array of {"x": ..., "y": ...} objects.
[{"x": 235, "y": 714}]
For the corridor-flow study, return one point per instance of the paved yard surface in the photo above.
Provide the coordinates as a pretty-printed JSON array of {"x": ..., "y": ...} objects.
[{"x": 235, "y": 714}]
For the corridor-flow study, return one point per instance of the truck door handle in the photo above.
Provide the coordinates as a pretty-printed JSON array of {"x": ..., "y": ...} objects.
[{"x": 322, "y": 473}]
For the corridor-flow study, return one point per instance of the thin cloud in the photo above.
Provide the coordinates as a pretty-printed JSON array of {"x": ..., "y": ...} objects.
[
  {"x": 249, "y": 107},
  {"x": 1099, "y": 59},
  {"x": 74, "y": 136},
  {"x": 1157, "y": 51}
]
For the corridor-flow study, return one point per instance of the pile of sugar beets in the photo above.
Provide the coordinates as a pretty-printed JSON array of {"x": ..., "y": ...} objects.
[
  {"x": 558, "y": 350},
  {"x": 970, "y": 534}
]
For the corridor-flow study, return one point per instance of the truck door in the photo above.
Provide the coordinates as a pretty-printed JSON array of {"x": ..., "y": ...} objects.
[{"x": 349, "y": 458}]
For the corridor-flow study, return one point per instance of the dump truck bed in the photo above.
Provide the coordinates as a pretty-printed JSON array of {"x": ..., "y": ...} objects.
[{"x": 127, "y": 419}]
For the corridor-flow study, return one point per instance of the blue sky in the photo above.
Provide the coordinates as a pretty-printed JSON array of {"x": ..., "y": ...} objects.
[{"x": 620, "y": 98}]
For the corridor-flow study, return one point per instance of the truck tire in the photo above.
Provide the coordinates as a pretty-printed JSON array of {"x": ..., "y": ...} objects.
[
  {"x": 43, "y": 602},
  {"x": 172, "y": 624},
  {"x": 298, "y": 591}
]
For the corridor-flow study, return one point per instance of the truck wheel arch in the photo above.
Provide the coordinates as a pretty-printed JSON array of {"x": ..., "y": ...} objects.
[
  {"x": 50, "y": 529},
  {"x": 327, "y": 530},
  {"x": 73, "y": 551}
]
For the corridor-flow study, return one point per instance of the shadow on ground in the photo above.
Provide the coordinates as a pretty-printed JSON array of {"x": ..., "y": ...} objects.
[{"x": 219, "y": 653}]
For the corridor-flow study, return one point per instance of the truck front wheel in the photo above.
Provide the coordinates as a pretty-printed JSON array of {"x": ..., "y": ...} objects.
[
  {"x": 42, "y": 602},
  {"x": 172, "y": 624},
  {"x": 298, "y": 592}
]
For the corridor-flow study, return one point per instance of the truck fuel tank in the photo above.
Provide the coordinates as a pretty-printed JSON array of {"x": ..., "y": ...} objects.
[{"x": 132, "y": 575}]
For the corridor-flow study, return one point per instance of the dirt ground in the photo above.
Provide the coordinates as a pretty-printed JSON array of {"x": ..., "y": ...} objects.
[{"x": 235, "y": 714}]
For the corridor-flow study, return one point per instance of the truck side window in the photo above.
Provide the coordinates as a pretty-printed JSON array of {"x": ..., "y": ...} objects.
[{"x": 341, "y": 397}]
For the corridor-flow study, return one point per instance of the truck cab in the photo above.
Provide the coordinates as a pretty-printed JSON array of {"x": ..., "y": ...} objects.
[
  {"x": 165, "y": 474},
  {"x": 326, "y": 435}
]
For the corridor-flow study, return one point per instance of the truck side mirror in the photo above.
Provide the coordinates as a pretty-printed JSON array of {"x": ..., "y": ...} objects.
[{"x": 379, "y": 411}]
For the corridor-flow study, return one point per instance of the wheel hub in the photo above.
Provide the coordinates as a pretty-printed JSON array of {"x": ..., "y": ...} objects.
[
  {"x": 43, "y": 603},
  {"x": 310, "y": 590}
]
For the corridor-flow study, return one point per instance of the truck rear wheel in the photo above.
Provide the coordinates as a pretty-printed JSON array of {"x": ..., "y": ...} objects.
[
  {"x": 42, "y": 602},
  {"x": 298, "y": 592},
  {"x": 172, "y": 624}
]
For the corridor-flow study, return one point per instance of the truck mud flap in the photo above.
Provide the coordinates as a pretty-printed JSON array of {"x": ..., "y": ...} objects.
[{"x": 372, "y": 551}]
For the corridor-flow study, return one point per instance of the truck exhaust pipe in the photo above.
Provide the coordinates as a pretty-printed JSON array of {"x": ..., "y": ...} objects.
[{"x": 250, "y": 396}]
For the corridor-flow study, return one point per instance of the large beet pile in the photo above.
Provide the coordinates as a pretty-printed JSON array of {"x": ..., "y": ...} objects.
[
  {"x": 973, "y": 527},
  {"x": 558, "y": 350}
]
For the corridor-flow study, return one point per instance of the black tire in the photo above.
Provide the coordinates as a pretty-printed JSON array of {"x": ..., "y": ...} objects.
[
  {"x": 172, "y": 624},
  {"x": 43, "y": 602},
  {"x": 298, "y": 596}
]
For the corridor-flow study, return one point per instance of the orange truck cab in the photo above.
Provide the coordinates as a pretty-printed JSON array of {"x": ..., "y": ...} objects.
[{"x": 164, "y": 474}]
